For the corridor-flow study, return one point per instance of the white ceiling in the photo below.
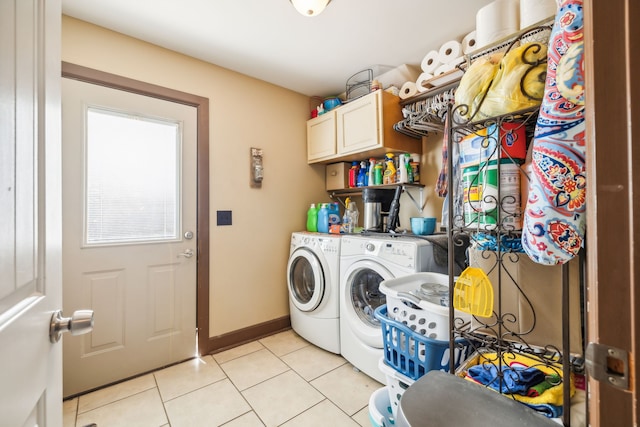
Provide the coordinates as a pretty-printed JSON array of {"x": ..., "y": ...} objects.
[{"x": 271, "y": 41}]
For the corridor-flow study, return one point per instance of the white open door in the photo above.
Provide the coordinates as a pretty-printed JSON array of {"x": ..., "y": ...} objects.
[
  {"x": 30, "y": 212},
  {"x": 129, "y": 232}
]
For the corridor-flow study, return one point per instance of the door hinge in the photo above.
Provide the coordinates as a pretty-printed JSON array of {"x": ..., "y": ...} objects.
[{"x": 608, "y": 365}]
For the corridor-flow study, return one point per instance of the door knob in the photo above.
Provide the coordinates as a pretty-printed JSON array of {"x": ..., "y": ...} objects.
[
  {"x": 187, "y": 254},
  {"x": 80, "y": 322}
]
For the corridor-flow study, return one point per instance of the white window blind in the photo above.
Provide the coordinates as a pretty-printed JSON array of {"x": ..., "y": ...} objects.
[{"x": 132, "y": 178}]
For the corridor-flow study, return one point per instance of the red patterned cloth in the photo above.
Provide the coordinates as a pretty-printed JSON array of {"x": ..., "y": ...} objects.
[{"x": 554, "y": 219}]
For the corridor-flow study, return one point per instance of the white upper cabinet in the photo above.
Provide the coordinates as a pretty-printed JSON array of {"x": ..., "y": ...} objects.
[
  {"x": 321, "y": 137},
  {"x": 358, "y": 130}
]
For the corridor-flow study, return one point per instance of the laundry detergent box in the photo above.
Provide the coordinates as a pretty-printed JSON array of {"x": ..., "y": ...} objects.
[{"x": 482, "y": 146}]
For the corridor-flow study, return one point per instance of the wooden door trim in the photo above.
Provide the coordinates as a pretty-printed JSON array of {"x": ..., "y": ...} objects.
[
  {"x": 611, "y": 93},
  {"x": 101, "y": 78}
]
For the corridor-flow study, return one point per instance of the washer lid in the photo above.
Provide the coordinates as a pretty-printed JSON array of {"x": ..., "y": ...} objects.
[{"x": 305, "y": 279}]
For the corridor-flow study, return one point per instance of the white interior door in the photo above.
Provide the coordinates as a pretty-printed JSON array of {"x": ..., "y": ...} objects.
[
  {"x": 129, "y": 232},
  {"x": 30, "y": 224}
]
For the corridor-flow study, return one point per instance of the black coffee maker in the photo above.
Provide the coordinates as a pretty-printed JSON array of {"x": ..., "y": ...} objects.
[{"x": 381, "y": 208}]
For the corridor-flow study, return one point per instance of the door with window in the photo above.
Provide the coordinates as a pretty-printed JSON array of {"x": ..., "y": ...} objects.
[{"x": 129, "y": 232}]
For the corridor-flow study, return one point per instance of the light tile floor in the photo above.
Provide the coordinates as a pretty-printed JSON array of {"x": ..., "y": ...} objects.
[{"x": 280, "y": 380}]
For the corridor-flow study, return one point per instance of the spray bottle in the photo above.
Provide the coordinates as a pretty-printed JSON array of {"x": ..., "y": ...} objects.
[
  {"x": 402, "y": 170},
  {"x": 362, "y": 175},
  {"x": 407, "y": 161},
  {"x": 390, "y": 171}
]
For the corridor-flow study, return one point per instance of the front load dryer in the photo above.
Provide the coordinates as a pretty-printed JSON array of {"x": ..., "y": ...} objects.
[
  {"x": 313, "y": 279},
  {"x": 365, "y": 261}
]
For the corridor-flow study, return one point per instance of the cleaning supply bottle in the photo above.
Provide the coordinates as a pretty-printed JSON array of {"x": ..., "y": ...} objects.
[
  {"x": 390, "y": 170},
  {"x": 402, "y": 170},
  {"x": 334, "y": 214},
  {"x": 347, "y": 225},
  {"x": 323, "y": 218},
  {"x": 362, "y": 175},
  {"x": 353, "y": 215},
  {"x": 353, "y": 175},
  {"x": 377, "y": 174},
  {"x": 407, "y": 162},
  {"x": 312, "y": 218},
  {"x": 372, "y": 165}
]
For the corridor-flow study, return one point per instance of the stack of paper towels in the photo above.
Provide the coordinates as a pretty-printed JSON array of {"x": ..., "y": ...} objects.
[
  {"x": 497, "y": 20},
  {"x": 437, "y": 62},
  {"x": 502, "y": 18}
]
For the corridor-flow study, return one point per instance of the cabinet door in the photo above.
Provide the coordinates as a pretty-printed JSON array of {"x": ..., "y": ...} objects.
[
  {"x": 359, "y": 124},
  {"x": 321, "y": 137}
]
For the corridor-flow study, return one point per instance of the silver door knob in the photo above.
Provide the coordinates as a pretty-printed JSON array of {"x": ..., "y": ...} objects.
[
  {"x": 80, "y": 322},
  {"x": 187, "y": 254}
]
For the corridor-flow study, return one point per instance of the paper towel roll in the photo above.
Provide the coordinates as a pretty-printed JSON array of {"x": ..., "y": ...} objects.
[
  {"x": 444, "y": 68},
  {"x": 430, "y": 62},
  {"x": 469, "y": 42},
  {"x": 408, "y": 90},
  {"x": 497, "y": 20},
  {"x": 422, "y": 78},
  {"x": 449, "y": 51},
  {"x": 534, "y": 11}
]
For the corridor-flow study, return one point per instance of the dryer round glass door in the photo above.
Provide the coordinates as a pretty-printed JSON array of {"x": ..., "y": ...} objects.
[
  {"x": 305, "y": 279},
  {"x": 361, "y": 295}
]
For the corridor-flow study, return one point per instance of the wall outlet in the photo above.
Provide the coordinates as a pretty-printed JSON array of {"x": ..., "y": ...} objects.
[{"x": 224, "y": 218}]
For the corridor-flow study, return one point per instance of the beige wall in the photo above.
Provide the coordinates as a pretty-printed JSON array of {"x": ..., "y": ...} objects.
[{"x": 248, "y": 259}]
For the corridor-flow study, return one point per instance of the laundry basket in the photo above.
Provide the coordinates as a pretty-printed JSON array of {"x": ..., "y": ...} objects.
[
  {"x": 396, "y": 385},
  {"x": 421, "y": 302},
  {"x": 413, "y": 354},
  {"x": 380, "y": 413}
]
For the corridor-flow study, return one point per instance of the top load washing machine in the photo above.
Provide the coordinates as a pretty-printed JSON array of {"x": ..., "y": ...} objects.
[
  {"x": 313, "y": 279},
  {"x": 365, "y": 261}
]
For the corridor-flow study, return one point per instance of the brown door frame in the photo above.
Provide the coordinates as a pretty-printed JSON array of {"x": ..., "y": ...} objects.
[
  {"x": 612, "y": 94},
  {"x": 89, "y": 75}
]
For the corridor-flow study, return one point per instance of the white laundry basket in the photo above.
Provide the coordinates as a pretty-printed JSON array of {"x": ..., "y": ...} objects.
[
  {"x": 396, "y": 385},
  {"x": 380, "y": 412},
  {"x": 421, "y": 302}
]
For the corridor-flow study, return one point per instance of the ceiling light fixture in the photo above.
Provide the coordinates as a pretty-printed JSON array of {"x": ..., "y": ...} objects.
[{"x": 310, "y": 7}]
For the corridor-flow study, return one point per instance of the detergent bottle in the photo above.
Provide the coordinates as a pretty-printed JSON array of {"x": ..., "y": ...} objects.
[
  {"x": 353, "y": 175},
  {"x": 312, "y": 218},
  {"x": 334, "y": 213},
  {"x": 323, "y": 218},
  {"x": 390, "y": 170}
]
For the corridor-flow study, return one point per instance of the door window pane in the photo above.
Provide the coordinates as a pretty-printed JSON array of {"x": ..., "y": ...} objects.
[{"x": 132, "y": 173}]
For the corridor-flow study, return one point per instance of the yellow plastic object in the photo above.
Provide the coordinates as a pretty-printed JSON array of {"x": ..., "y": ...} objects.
[{"x": 473, "y": 293}]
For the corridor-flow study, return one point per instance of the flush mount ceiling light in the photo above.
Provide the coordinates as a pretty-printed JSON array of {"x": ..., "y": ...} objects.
[{"x": 310, "y": 7}]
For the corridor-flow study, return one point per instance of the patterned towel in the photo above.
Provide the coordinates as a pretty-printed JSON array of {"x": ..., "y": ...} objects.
[{"x": 554, "y": 219}]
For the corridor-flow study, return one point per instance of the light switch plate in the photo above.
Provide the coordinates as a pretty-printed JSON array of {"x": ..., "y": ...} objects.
[{"x": 224, "y": 218}]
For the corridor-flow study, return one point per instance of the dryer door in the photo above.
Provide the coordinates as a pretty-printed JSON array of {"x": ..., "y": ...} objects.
[
  {"x": 306, "y": 280},
  {"x": 360, "y": 297}
]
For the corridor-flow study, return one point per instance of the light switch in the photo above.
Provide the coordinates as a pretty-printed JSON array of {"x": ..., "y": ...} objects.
[{"x": 224, "y": 217}]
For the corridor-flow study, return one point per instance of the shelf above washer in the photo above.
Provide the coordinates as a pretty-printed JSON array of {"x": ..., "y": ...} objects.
[{"x": 420, "y": 203}]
